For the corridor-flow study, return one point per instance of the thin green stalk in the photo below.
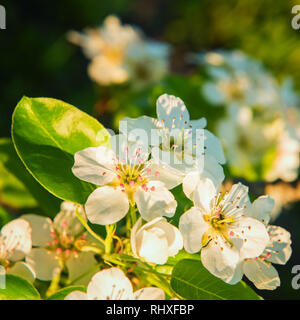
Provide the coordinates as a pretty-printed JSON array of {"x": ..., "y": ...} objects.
[
  {"x": 110, "y": 230},
  {"x": 133, "y": 215},
  {"x": 54, "y": 285}
]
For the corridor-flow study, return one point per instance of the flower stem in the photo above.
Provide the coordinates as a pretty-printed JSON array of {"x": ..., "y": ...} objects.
[
  {"x": 110, "y": 230},
  {"x": 54, "y": 285},
  {"x": 130, "y": 220}
]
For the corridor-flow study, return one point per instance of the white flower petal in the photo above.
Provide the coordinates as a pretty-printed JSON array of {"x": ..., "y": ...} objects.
[
  {"x": 237, "y": 198},
  {"x": 103, "y": 71},
  {"x": 189, "y": 183},
  {"x": 95, "y": 165},
  {"x": 76, "y": 295},
  {"x": 44, "y": 262},
  {"x": 170, "y": 177},
  {"x": 213, "y": 146},
  {"x": 237, "y": 274},
  {"x": 152, "y": 245},
  {"x": 149, "y": 294},
  {"x": 279, "y": 247},
  {"x": 261, "y": 209},
  {"x": 252, "y": 236},
  {"x": 172, "y": 161},
  {"x": 17, "y": 238},
  {"x": 171, "y": 111},
  {"x": 161, "y": 229},
  {"x": 192, "y": 227},
  {"x": 220, "y": 259},
  {"x": 106, "y": 205},
  {"x": 141, "y": 128},
  {"x": 41, "y": 229},
  {"x": 79, "y": 265},
  {"x": 204, "y": 195},
  {"x": 262, "y": 274},
  {"x": 157, "y": 201},
  {"x": 212, "y": 171},
  {"x": 198, "y": 124},
  {"x": 173, "y": 235},
  {"x": 23, "y": 270},
  {"x": 110, "y": 284}
]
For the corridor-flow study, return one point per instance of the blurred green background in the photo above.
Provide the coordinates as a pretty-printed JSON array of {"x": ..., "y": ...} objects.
[{"x": 36, "y": 60}]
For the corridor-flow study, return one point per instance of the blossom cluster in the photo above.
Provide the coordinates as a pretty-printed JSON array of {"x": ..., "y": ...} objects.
[
  {"x": 133, "y": 179},
  {"x": 257, "y": 106}
]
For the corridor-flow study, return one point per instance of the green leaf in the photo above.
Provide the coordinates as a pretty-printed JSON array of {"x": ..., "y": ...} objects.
[
  {"x": 4, "y": 217},
  {"x": 61, "y": 294},
  {"x": 18, "y": 189},
  {"x": 182, "y": 255},
  {"x": 192, "y": 281},
  {"x": 46, "y": 133},
  {"x": 17, "y": 288}
]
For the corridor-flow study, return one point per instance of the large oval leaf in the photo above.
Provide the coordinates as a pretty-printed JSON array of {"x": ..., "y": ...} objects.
[
  {"x": 61, "y": 294},
  {"x": 46, "y": 133},
  {"x": 18, "y": 188},
  {"x": 17, "y": 288},
  {"x": 192, "y": 281}
]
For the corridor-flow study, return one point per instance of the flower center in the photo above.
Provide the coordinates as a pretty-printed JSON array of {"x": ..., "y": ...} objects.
[
  {"x": 219, "y": 222},
  {"x": 130, "y": 177},
  {"x": 64, "y": 244}
]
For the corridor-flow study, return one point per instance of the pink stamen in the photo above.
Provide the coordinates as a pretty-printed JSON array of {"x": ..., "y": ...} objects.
[
  {"x": 269, "y": 255},
  {"x": 156, "y": 174},
  {"x": 131, "y": 183},
  {"x": 53, "y": 234},
  {"x": 152, "y": 188},
  {"x": 231, "y": 233},
  {"x": 59, "y": 250},
  {"x": 64, "y": 223}
]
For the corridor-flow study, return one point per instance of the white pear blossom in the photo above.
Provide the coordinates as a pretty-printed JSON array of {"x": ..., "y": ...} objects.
[
  {"x": 218, "y": 226},
  {"x": 59, "y": 243},
  {"x": 125, "y": 177},
  {"x": 178, "y": 145},
  {"x": 120, "y": 53},
  {"x": 257, "y": 138},
  {"x": 259, "y": 269},
  {"x": 156, "y": 240},
  {"x": 15, "y": 243},
  {"x": 112, "y": 284},
  {"x": 238, "y": 81}
]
